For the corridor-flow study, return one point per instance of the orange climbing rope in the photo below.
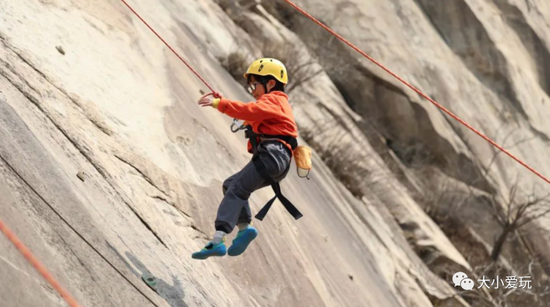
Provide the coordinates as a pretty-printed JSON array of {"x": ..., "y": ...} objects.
[
  {"x": 442, "y": 108},
  {"x": 214, "y": 93},
  {"x": 37, "y": 264},
  {"x": 12, "y": 237}
]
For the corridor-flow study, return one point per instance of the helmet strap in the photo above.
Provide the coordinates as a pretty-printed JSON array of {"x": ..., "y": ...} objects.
[{"x": 265, "y": 85}]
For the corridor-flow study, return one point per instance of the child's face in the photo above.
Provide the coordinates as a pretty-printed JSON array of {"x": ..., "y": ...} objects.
[{"x": 255, "y": 88}]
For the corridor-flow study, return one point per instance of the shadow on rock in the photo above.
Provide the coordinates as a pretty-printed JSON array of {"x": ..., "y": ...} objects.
[{"x": 173, "y": 294}]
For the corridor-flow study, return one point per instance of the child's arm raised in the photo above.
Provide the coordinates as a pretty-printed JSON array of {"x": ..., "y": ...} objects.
[{"x": 262, "y": 109}]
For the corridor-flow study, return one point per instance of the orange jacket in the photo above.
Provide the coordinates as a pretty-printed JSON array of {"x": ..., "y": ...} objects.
[{"x": 271, "y": 114}]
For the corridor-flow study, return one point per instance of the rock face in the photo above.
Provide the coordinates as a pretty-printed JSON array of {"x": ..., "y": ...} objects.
[
  {"x": 110, "y": 171},
  {"x": 484, "y": 60}
]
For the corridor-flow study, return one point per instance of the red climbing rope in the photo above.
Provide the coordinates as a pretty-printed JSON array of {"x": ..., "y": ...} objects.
[
  {"x": 419, "y": 92},
  {"x": 36, "y": 264},
  {"x": 416, "y": 90},
  {"x": 171, "y": 49}
]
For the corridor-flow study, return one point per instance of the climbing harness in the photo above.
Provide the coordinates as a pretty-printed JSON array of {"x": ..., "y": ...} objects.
[{"x": 262, "y": 170}]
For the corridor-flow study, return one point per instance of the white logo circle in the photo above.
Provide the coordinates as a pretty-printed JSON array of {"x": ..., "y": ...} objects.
[
  {"x": 458, "y": 277},
  {"x": 467, "y": 284}
]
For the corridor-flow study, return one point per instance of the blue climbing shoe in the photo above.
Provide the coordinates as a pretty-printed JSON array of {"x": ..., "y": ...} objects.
[
  {"x": 217, "y": 250},
  {"x": 242, "y": 240}
]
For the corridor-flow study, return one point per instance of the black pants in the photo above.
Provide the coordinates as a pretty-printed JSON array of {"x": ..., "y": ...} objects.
[{"x": 234, "y": 207}]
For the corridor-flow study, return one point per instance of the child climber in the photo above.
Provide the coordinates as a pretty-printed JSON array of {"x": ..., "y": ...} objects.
[{"x": 272, "y": 132}]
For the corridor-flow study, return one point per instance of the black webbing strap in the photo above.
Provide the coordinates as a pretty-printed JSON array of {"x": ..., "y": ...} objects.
[
  {"x": 262, "y": 170},
  {"x": 293, "y": 142},
  {"x": 260, "y": 167},
  {"x": 249, "y": 134}
]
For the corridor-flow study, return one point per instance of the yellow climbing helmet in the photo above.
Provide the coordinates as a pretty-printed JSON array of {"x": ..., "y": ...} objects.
[{"x": 268, "y": 67}]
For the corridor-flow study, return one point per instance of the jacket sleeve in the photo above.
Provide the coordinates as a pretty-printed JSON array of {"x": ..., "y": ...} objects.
[{"x": 262, "y": 109}]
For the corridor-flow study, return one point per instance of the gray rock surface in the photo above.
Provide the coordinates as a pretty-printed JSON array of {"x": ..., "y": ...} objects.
[{"x": 109, "y": 169}]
